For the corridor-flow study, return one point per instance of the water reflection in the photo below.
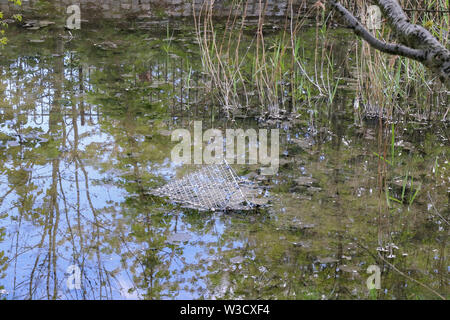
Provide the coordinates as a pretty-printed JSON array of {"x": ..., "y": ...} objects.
[{"x": 84, "y": 137}]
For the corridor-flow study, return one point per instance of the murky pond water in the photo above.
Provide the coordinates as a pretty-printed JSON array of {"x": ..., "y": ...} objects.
[{"x": 85, "y": 134}]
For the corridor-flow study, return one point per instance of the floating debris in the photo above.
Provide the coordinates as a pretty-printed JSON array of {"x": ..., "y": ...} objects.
[
  {"x": 305, "y": 181},
  {"x": 106, "y": 45},
  {"x": 262, "y": 269},
  {"x": 374, "y": 111},
  {"x": 36, "y": 25},
  {"x": 214, "y": 187},
  {"x": 45, "y": 23},
  {"x": 393, "y": 246},
  {"x": 348, "y": 269},
  {"x": 405, "y": 145},
  {"x": 301, "y": 244}
]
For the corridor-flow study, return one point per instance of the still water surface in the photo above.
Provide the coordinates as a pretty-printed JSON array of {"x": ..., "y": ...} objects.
[{"x": 85, "y": 134}]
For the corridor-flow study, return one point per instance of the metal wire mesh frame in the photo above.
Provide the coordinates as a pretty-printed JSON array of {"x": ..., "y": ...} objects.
[{"x": 213, "y": 187}]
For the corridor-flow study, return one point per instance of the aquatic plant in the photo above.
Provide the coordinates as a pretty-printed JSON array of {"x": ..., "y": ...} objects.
[{"x": 4, "y": 24}]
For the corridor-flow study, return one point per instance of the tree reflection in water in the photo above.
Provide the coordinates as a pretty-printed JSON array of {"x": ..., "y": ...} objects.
[{"x": 83, "y": 138}]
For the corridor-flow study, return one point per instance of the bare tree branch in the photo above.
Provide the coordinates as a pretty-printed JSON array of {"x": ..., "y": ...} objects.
[
  {"x": 390, "y": 48},
  {"x": 416, "y": 42}
]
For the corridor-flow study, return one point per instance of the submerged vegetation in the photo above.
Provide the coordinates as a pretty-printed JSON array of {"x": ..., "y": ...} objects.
[{"x": 274, "y": 74}]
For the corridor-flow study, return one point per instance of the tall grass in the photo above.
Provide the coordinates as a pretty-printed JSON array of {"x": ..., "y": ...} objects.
[
  {"x": 286, "y": 72},
  {"x": 397, "y": 85},
  {"x": 253, "y": 68}
]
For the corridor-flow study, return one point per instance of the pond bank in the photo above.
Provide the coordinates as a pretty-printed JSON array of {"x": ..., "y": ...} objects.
[{"x": 111, "y": 9}]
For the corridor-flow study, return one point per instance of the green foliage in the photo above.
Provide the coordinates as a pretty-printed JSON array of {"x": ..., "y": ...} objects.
[
  {"x": 410, "y": 84},
  {"x": 277, "y": 252},
  {"x": 408, "y": 180},
  {"x": 4, "y": 25}
]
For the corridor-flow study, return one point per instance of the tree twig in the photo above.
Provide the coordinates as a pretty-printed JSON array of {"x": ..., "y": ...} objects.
[{"x": 416, "y": 42}]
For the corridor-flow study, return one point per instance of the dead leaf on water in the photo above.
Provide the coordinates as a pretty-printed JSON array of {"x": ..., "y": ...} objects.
[{"x": 348, "y": 269}]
